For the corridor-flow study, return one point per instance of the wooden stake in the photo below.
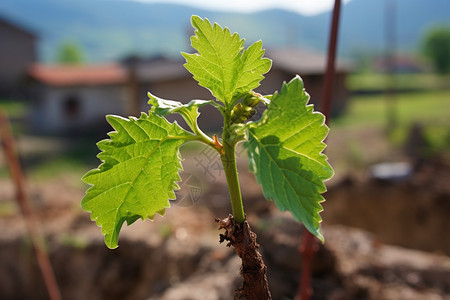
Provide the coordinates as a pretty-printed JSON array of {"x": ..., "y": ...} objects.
[
  {"x": 309, "y": 246},
  {"x": 37, "y": 240}
]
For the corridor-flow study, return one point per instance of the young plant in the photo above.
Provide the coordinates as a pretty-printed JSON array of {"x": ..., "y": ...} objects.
[{"x": 141, "y": 159}]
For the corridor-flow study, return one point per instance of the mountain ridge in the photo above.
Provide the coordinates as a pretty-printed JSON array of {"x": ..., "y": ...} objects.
[{"x": 109, "y": 29}]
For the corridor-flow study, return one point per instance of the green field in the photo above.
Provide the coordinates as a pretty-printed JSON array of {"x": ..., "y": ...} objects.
[
  {"x": 378, "y": 82},
  {"x": 13, "y": 108},
  {"x": 424, "y": 107},
  {"x": 431, "y": 110}
]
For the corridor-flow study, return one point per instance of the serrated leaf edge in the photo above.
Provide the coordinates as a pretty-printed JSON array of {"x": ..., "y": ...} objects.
[{"x": 112, "y": 242}]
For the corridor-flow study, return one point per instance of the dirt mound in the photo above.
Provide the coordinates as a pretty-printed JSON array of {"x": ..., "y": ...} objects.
[
  {"x": 186, "y": 263},
  {"x": 179, "y": 257},
  {"x": 412, "y": 213}
]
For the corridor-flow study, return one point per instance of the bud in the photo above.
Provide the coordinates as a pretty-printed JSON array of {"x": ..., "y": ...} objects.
[
  {"x": 236, "y": 113},
  {"x": 251, "y": 100},
  {"x": 237, "y": 108},
  {"x": 249, "y": 112}
]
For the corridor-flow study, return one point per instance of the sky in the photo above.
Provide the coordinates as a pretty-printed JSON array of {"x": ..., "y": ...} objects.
[{"x": 304, "y": 7}]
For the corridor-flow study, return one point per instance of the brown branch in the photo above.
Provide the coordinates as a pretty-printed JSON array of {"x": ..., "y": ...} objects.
[
  {"x": 309, "y": 246},
  {"x": 308, "y": 249},
  {"x": 22, "y": 200},
  {"x": 330, "y": 71}
]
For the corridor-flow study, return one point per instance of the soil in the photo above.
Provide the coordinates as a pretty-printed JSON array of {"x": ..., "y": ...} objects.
[
  {"x": 411, "y": 212},
  {"x": 179, "y": 257}
]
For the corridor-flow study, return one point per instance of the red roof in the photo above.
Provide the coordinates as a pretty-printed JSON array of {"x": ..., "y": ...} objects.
[{"x": 74, "y": 75}]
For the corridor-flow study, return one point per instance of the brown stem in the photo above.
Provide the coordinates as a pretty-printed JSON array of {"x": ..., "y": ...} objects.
[
  {"x": 253, "y": 270},
  {"x": 22, "y": 199},
  {"x": 308, "y": 249},
  {"x": 330, "y": 70}
]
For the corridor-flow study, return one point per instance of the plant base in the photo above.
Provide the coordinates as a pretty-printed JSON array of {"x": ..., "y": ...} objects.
[{"x": 253, "y": 270}]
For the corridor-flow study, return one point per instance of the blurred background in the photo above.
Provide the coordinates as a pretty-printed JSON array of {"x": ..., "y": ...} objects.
[{"x": 65, "y": 64}]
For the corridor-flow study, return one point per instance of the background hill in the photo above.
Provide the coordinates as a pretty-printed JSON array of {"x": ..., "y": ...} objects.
[{"x": 111, "y": 29}]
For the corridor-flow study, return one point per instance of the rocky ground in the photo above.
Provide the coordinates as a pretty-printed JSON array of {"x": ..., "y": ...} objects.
[{"x": 179, "y": 257}]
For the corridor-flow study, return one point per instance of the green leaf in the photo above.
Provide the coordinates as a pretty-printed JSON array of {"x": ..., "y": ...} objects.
[
  {"x": 221, "y": 65},
  {"x": 163, "y": 107},
  {"x": 139, "y": 172},
  {"x": 189, "y": 111},
  {"x": 284, "y": 150}
]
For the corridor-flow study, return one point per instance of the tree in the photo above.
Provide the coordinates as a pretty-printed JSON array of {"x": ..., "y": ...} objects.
[
  {"x": 70, "y": 53},
  {"x": 436, "y": 46}
]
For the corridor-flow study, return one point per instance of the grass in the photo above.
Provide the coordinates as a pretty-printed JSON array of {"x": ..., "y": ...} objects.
[
  {"x": 431, "y": 110},
  {"x": 379, "y": 81},
  {"x": 423, "y": 107},
  {"x": 62, "y": 164},
  {"x": 48, "y": 168},
  {"x": 44, "y": 158},
  {"x": 77, "y": 157},
  {"x": 14, "y": 108}
]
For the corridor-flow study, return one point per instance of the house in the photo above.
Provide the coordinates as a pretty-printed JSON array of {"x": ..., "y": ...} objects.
[
  {"x": 70, "y": 98},
  {"x": 75, "y": 98},
  {"x": 287, "y": 62},
  {"x": 400, "y": 63},
  {"x": 17, "y": 52},
  {"x": 169, "y": 79}
]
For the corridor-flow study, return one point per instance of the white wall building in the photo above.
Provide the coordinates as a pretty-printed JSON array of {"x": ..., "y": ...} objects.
[{"x": 70, "y": 99}]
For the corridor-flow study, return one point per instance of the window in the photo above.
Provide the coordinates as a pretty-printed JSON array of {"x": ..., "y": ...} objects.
[{"x": 71, "y": 106}]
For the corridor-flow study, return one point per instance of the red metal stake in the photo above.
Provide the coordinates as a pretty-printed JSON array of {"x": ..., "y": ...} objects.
[
  {"x": 329, "y": 74},
  {"x": 307, "y": 248},
  {"x": 309, "y": 245},
  {"x": 22, "y": 199}
]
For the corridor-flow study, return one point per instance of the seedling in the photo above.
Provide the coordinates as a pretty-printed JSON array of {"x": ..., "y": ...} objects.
[{"x": 141, "y": 159}]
